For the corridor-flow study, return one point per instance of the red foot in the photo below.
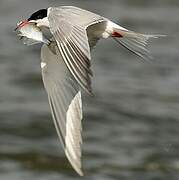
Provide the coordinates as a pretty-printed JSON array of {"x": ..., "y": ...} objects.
[{"x": 116, "y": 34}]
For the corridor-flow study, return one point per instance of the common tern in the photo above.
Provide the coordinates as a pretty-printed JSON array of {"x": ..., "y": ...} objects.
[{"x": 66, "y": 63}]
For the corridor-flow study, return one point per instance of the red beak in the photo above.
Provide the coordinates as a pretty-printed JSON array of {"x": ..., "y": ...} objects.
[{"x": 21, "y": 24}]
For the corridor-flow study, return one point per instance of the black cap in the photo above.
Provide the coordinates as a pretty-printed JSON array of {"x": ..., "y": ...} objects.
[{"x": 40, "y": 14}]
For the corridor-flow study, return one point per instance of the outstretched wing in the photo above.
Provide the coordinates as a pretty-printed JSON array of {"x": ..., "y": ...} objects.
[
  {"x": 65, "y": 103},
  {"x": 68, "y": 26}
]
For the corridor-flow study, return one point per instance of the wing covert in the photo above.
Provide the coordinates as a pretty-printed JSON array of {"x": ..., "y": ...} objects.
[{"x": 68, "y": 26}]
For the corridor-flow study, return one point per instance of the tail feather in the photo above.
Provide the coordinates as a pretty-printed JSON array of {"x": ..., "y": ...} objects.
[{"x": 135, "y": 42}]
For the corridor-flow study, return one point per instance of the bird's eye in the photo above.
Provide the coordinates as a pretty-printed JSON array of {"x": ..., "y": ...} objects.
[{"x": 39, "y": 17}]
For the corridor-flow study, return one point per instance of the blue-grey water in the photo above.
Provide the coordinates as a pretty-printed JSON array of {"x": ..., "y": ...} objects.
[{"x": 130, "y": 127}]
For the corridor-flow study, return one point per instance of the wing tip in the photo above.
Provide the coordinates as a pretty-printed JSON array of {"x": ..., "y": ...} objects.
[
  {"x": 90, "y": 92},
  {"x": 80, "y": 172},
  {"x": 76, "y": 165}
]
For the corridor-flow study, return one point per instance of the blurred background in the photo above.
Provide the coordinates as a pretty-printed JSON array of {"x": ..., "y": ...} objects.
[{"x": 130, "y": 127}]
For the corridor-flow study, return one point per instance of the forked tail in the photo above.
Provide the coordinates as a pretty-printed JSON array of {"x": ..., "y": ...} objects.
[{"x": 134, "y": 42}]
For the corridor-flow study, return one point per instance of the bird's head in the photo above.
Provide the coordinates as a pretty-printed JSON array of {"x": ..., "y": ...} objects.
[{"x": 39, "y": 18}]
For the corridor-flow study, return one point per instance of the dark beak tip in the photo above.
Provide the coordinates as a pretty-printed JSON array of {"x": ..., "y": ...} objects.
[
  {"x": 21, "y": 24},
  {"x": 15, "y": 29}
]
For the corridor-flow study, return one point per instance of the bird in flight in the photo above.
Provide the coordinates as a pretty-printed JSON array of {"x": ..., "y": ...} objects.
[{"x": 66, "y": 63}]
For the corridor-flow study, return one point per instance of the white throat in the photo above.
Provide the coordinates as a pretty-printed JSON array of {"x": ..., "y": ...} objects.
[{"x": 42, "y": 22}]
